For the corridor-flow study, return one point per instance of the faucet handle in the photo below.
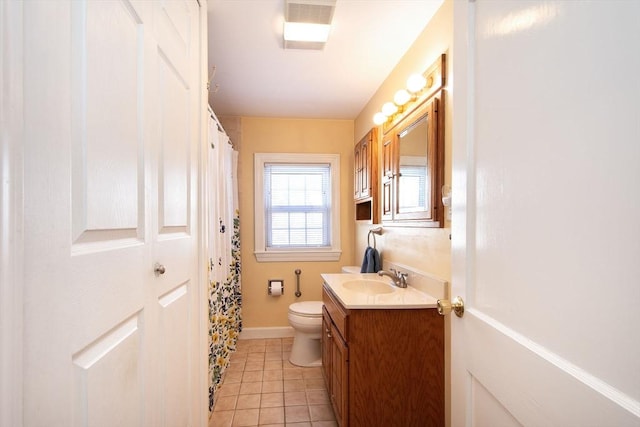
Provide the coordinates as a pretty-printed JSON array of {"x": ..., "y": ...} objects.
[{"x": 403, "y": 278}]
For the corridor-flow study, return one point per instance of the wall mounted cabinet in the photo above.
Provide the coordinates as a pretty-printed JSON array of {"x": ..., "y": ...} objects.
[
  {"x": 365, "y": 186},
  {"x": 413, "y": 168}
]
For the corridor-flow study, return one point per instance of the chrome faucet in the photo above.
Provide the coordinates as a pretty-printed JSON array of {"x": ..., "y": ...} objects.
[{"x": 399, "y": 278}]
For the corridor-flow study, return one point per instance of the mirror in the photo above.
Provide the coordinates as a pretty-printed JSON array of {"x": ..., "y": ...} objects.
[{"x": 413, "y": 194}]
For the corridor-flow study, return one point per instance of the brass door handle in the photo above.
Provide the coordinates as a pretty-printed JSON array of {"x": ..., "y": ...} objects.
[{"x": 445, "y": 306}]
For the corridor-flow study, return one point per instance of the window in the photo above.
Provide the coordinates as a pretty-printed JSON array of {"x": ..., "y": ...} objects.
[
  {"x": 413, "y": 181},
  {"x": 297, "y": 207}
]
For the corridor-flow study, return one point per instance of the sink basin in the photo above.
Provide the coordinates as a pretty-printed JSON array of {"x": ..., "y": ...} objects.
[{"x": 369, "y": 287}]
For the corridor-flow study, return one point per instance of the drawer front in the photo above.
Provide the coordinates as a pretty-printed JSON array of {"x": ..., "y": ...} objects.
[{"x": 336, "y": 311}]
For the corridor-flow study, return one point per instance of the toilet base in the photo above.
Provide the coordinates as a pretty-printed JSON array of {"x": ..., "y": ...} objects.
[{"x": 305, "y": 351}]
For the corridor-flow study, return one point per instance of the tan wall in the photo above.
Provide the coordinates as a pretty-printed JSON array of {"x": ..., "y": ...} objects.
[
  {"x": 269, "y": 135},
  {"x": 422, "y": 248}
]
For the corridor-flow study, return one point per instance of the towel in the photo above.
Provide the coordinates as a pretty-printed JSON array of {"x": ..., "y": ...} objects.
[{"x": 371, "y": 261}]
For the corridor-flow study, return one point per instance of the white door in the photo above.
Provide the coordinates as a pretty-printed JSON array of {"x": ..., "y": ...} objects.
[
  {"x": 546, "y": 229},
  {"x": 112, "y": 128}
]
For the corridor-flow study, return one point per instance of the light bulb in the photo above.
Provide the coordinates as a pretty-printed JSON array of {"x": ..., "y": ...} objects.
[
  {"x": 379, "y": 118},
  {"x": 401, "y": 97},
  {"x": 416, "y": 82},
  {"x": 389, "y": 109}
]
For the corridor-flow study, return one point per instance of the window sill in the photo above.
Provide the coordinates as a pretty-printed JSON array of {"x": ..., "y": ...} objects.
[{"x": 300, "y": 255}]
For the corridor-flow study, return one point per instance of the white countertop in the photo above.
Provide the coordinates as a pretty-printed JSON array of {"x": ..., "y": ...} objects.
[{"x": 399, "y": 298}]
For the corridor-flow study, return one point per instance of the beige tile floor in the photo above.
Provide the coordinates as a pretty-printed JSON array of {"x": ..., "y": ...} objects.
[{"x": 261, "y": 388}]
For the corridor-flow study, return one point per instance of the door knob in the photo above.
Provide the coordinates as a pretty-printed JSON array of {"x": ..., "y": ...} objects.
[
  {"x": 445, "y": 306},
  {"x": 159, "y": 268}
]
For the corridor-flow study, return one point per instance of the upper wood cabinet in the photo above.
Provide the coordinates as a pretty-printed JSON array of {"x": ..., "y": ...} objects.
[
  {"x": 365, "y": 186},
  {"x": 413, "y": 167}
]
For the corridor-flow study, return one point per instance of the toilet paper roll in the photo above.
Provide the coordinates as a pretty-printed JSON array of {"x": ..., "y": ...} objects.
[{"x": 275, "y": 288}]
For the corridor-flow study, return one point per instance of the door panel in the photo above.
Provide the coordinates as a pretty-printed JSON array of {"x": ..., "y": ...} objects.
[
  {"x": 533, "y": 251},
  {"x": 175, "y": 318},
  {"x": 108, "y": 124},
  {"x": 174, "y": 171},
  {"x": 488, "y": 411},
  {"x": 108, "y": 375},
  {"x": 107, "y": 152}
]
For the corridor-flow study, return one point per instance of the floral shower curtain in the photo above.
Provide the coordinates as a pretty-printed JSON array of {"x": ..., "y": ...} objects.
[{"x": 225, "y": 321}]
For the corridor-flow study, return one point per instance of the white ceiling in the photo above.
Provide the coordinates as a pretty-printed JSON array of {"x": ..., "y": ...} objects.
[{"x": 257, "y": 77}]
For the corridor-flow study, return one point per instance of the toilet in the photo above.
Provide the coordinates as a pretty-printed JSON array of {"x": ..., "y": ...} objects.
[{"x": 306, "y": 319}]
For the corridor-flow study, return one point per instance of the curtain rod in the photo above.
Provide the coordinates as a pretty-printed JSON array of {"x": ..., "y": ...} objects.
[{"x": 218, "y": 124}]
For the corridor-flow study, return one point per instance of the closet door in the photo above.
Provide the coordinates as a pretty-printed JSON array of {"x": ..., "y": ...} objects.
[{"x": 112, "y": 129}]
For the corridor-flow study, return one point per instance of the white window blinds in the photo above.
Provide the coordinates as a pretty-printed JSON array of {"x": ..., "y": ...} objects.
[{"x": 297, "y": 203}]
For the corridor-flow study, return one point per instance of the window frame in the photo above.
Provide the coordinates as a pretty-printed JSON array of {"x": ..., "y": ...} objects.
[{"x": 261, "y": 252}]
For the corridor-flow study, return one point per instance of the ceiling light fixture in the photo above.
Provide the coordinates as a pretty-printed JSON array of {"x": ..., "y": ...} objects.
[
  {"x": 307, "y": 23},
  {"x": 306, "y": 32}
]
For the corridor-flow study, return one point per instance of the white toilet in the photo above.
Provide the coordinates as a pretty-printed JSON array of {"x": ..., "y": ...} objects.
[{"x": 306, "y": 319}]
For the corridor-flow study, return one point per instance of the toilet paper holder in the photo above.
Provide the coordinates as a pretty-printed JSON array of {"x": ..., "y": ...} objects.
[{"x": 276, "y": 284}]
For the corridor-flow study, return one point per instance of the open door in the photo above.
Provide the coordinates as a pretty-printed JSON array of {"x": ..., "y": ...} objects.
[{"x": 545, "y": 229}]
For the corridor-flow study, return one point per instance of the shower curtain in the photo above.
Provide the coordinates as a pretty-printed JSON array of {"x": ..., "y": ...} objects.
[{"x": 225, "y": 321}]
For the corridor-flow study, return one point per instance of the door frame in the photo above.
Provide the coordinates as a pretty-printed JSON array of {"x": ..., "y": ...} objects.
[
  {"x": 11, "y": 215},
  {"x": 202, "y": 208},
  {"x": 462, "y": 183}
]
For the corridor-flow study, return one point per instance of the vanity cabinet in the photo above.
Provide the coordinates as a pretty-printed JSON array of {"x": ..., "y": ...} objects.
[
  {"x": 383, "y": 366},
  {"x": 365, "y": 173}
]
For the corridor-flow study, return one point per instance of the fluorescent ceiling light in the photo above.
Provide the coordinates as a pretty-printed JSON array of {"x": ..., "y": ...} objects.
[{"x": 304, "y": 32}]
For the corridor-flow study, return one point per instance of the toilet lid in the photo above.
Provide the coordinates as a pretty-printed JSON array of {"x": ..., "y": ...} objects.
[{"x": 307, "y": 308}]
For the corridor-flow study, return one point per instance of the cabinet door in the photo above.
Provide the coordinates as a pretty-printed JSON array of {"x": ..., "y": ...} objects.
[
  {"x": 418, "y": 173},
  {"x": 326, "y": 349},
  {"x": 339, "y": 377},
  {"x": 365, "y": 161},
  {"x": 357, "y": 171},
  {"x": 388, "y": 177}
]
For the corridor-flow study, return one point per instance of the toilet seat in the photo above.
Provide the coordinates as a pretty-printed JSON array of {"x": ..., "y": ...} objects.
[{"x": 306, "y": 308}]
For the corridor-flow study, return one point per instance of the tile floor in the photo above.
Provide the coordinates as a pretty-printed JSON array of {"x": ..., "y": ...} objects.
[{"x": 261, "y": 388}]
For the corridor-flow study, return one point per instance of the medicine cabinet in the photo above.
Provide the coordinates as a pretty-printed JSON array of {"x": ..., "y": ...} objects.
[{"x": 413, "y": 167}]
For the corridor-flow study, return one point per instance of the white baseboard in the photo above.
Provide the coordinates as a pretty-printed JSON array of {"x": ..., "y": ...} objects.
[{"x": 271, "y": 332}]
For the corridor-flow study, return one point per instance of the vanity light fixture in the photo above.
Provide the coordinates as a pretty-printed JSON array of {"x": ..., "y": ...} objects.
[
  {"x": 401, "y": 97},
  {"x": 389, "y": 109},
  {"x": 416, "y": 82},
  {"x": 419, "y": 88},
  {"x": 379, "y": 118}
]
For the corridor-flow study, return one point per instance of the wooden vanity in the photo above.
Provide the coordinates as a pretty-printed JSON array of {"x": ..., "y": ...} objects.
[{"x": 383, "y": 366}]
